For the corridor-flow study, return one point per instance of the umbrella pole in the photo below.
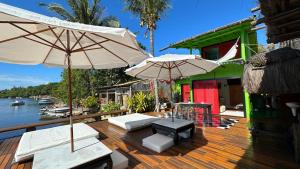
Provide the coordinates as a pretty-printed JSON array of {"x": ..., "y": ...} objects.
[
  {"x": 70, "y": 90},
  {"x": 70, "y": 102},
  {"x": 170, "y": 77}
]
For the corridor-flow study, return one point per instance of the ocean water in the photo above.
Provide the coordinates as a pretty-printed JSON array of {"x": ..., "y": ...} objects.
[{"x": 18, "y": 115}]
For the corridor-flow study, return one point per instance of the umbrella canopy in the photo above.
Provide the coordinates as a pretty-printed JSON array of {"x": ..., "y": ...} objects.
[
  {"x": 31, "y": 38},
  {"x": 171, "y": 67}
]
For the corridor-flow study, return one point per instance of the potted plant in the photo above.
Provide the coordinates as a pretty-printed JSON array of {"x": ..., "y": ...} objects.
[{"x": 90, "y": 103}]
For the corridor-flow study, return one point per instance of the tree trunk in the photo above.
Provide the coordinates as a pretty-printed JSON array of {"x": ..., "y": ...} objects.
[{"x": 154, "y": 81}]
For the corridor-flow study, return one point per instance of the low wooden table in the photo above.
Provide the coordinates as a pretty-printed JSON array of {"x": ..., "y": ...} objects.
[
  {"x": 89, "y": 153},
  {"x": 179, "y": 125}
]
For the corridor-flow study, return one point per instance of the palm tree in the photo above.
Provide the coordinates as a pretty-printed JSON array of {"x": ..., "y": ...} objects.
[
  {"x": 87, "y": 12},
  {"x": 83, "y": 11},
  {"x": 149, "y": 12}
]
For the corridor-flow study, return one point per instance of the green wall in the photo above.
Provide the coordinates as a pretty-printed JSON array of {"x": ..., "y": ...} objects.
[{"x": 227, "y": 71}]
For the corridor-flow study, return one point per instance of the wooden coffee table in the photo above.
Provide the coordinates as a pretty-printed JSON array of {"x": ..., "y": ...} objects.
[{"x": 179, "y": 125}]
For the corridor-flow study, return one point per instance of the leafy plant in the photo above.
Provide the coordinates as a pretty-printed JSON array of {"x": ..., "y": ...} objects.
[
  {"x": 111, "y": 107},
  {"x": 141, "y": 102},
  {"x": 90, "y": 102}
]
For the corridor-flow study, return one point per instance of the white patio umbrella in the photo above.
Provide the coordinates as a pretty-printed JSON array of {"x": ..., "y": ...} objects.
[
  {"x": 171, "y": 67},
  {"x": 31, "y": 38},
  {"x": 174, "y": 66}
]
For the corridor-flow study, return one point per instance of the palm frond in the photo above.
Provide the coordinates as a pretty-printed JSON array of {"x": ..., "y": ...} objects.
[
  {"x": 59, "y": 10},
  {"x": 149, "y": 11},
  {"x": 83, "y": 11},
  {"x": 75, "y": 7},
  {"x": 110, "y": 21}
]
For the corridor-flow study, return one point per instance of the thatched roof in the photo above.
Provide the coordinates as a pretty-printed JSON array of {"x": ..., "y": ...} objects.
[
  {"x": 282, "y": 18},
  {"x": 275, "y": 72}
]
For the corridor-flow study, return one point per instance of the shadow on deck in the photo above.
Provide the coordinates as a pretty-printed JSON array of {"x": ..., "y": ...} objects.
[{"x": 210, "y": 148}]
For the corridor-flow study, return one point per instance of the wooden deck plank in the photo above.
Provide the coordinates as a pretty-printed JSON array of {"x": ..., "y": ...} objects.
[{"x": 211, "y": 148}]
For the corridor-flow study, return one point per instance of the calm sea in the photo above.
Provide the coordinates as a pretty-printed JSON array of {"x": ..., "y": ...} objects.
[{"x": 17, "y": 115}]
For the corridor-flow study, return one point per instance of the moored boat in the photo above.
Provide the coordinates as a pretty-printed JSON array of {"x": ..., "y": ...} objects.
[
  {"x": 58, "y": 112},
  {"x": 17, "y": 103},
  {"x": 45, "y": 101}
]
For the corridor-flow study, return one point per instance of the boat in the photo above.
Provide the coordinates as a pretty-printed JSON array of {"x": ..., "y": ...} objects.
[
  {"x": 45, "y": 101},
  {"x": 58, "y": 112},
  {"x": 17, "y": 103}
]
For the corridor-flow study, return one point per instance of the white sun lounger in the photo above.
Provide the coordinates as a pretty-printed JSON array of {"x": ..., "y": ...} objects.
[
  {"x": 34, "y": 141},
  {"x": 133, "y": 121}
]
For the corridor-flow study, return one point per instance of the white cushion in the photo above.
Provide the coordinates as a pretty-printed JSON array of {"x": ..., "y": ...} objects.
[
  {"x": 132, "y": 121},
  {"x": 119, "y": 160},
  {"x": 158, "y": 142},
  {"x": 61, "y": 157},
  {"x": 34, "y": 141}
]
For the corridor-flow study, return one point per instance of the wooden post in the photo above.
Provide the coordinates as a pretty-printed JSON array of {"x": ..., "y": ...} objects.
[
  {"x": 170, "y": 77},
  {"x": 70, "y": 90}
]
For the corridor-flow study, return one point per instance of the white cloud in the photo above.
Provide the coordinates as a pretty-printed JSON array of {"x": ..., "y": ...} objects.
[{"x": 9, "y": 81}]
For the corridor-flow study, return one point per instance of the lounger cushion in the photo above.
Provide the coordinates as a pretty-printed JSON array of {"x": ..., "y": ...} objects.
[
  {"x": 119, "y": 160},
  {"x": 132, "y": 121},
  {"x": 158, "y": 142},
  {"x": 60, "y": 157},
  {"x": 34, "y": 141}
]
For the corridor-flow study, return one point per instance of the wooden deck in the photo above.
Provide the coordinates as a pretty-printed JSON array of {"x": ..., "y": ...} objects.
[{"x": 210, "y": 148}]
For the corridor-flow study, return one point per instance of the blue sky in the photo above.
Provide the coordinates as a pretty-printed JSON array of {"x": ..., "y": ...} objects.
[{"x": 186, "y": 18}]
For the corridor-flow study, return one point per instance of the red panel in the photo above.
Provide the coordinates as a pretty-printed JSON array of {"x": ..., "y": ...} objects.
[
  {"x": 185, "y": 90},
  {"x": 207, "y": 92}
]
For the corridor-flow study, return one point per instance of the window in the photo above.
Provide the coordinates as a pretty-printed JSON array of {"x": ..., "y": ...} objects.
[{"x": 212, "y": 53}]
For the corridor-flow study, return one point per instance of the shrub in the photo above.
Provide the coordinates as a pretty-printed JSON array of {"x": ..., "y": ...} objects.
[
  {"x": 112, "y": 106},
  {"x": 141, "y": 102},
  {"x": 90, "y": 102}
]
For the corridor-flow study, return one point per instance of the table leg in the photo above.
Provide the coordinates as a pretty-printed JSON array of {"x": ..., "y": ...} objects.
[
  {"x": 210, "y": 116},
  {"x": 154, "y": 131},
  {"x": 109, "y": 163},
  {"x": 192, "y": 131},
  {"x": 175, "y": 138}
]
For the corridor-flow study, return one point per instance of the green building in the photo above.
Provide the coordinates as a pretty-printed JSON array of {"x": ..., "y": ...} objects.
[{"x": 221, "y": 87}]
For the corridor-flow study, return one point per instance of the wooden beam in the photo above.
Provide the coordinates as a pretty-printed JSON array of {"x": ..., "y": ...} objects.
[
  {"x": 88, "y": 58},
  {"x": 257, "y": 8},
  {"x": 283, "y": 15},
  {"x": 107, "y": 49},
  {"x": 19, "y": 22},
  {"x": 22, "y": 36},
  {"x": 50, "y": 43},
  {"x": 258, "y": 21},
  {"x": 53, "y": 46},
  {"x": 88, "y": 46},
  {"x": 115, "y": 41},
  {"x": 57, "y": 121},
  {"x": 258, "y": 28},
  {"x": 58, "y": 38}
]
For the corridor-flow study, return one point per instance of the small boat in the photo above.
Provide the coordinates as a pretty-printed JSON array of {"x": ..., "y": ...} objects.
[
  {"x": 17, "y": 103},
  {"x": 45, "y": 101},
  {"x": 58, "y": 112}
]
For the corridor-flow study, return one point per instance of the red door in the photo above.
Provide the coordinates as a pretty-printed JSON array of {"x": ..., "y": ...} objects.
[
  {"x": 207, "y": 92},
  {"x": 185, "y": 90}
]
